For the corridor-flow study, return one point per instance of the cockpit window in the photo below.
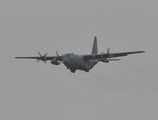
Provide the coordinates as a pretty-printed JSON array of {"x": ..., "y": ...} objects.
[{"x": 70, "y": 54}]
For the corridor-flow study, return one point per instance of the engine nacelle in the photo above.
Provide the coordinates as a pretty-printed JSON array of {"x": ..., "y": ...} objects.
[
  {"x": 55, "y": 62},
  {"x": 104, "y": 60}
]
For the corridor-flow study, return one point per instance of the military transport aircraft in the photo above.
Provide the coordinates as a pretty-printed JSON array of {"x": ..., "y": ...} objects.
[{"x": 81, "y": 62}]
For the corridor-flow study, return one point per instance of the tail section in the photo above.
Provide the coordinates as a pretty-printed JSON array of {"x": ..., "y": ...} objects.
[{"x": 95, "y": 46}]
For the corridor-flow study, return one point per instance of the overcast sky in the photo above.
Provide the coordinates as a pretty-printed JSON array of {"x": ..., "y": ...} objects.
[{"x": 122, "y": 90}]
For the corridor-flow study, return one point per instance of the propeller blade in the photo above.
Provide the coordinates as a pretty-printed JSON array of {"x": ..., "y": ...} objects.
[
  {"x": 45, "y": 54},
  {"x": 108, "y": 50},
  {"x": 57, "y": 53},
  {"x": 39, "y": 54},
  {"x": 60, "y": 61}
]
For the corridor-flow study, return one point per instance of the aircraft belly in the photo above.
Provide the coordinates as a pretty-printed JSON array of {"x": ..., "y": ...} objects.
[
  {"x": 75, "y": 64},
  {"x": 91, "y": 64}
]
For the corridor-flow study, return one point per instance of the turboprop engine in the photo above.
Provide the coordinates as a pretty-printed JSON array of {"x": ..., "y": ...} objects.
[
  {"x": 104, "y": 60},
  {"x": 55, "y": 62}
]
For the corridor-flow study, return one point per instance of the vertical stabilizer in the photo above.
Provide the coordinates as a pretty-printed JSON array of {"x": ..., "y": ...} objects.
[{"x": 95, "y": 46}]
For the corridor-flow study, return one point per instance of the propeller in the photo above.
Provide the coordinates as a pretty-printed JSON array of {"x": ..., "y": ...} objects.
[
  {"x": 108, "y": 55},
  {"x": 56, "y": 59},
  {"x": 43, "y": 58},
  {"x": 105, "y": 59}
]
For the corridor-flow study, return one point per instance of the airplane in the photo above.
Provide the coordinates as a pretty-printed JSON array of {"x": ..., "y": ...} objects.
[{"x": 85, "y": 63}]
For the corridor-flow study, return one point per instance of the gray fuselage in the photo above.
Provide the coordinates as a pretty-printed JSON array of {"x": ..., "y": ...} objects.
[{"x": 73, "y": 62}]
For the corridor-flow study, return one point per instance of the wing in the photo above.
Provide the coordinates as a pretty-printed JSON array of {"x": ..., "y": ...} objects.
[
  {"x": 39, "y": 58},
  {"x": 110, "y": 55},
  {"x": 44, "y": 58}
]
